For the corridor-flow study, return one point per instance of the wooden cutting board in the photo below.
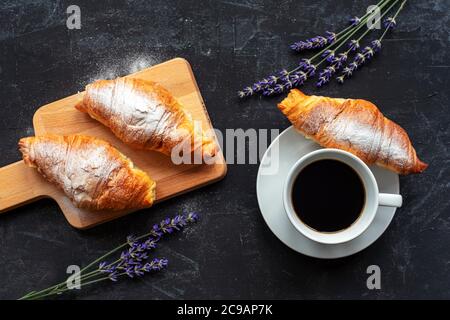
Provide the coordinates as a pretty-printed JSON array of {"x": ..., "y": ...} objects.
[{"x": 20, "y": 184}]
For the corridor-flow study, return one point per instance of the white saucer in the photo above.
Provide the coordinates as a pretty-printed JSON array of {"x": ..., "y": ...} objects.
[{"x": 269, "y": 187}]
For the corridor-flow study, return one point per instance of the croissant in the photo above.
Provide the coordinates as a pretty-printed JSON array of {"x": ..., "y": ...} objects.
[
  {"x": 354, "y": 125},
  {"x": 144, "y": 114},
  {"x": 91, "y": 172}
]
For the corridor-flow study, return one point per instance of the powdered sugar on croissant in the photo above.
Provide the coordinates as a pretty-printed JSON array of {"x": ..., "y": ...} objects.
[
  {"x": 353, "y": 125},
  {"x": 92, "y": 173},
  {"x": 143, "y": 114}
]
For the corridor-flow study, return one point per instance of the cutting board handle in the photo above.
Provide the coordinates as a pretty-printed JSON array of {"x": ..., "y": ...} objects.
[{"x": 19, "y": 185}]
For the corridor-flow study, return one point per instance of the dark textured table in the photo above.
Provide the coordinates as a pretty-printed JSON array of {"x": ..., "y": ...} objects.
[{"x": 230, "y": 253}]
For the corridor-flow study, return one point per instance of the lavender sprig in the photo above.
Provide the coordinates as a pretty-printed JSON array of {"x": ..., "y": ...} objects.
[
  {"x": 368, "y": 52},
  {"x": 335, "y": 64},
  {"x": 390, "y": 23},
  {"x": 353, "y": 45},
  {"x": 307, "y": 68},
  {"x": 293, "y": 79},
  {"x": 355, "y": 21},
  {"x": 284, "y": 80},
  {"x": 132, "y": 262},
  {"x": 316, "y": 42},
  {"x": 361, "y": 57}
]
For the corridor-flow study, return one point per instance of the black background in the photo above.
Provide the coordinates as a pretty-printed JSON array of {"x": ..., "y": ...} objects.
[{"x": 230, "y": 253}]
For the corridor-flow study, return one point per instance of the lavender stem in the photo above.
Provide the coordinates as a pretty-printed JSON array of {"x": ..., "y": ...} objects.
[
  {"x": 381, "y": 17},
  {"x": 363, "y": 21},
  {"x": 66, "y": 289},
  {"x": 164, "y": 227},
  {"x": 359, "y": 27},
  {"x": 395, "y": 16}
]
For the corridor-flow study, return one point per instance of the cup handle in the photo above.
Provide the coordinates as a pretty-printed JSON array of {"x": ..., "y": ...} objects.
[{"x": 390, "y": 200}]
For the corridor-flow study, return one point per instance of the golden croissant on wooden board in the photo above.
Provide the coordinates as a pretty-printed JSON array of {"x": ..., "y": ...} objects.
[
  {"x": 144, "y": 114},
  {"x": 354, "y": 125},
  {"x": 91, "y": 172}
]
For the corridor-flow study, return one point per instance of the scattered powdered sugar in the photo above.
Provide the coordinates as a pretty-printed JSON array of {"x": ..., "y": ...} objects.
[
  {"x": 109, "y": 72},
  {"x": 79, "y": 172},
  {"x": 353, "y": 132},
  {"x": 141, "y": 63},
  {"x": 118, "y": 67},
  {"x": 397, "y": 152},
  {"x": 377, "y": 143},
  {"x": 139, "y": 117}
]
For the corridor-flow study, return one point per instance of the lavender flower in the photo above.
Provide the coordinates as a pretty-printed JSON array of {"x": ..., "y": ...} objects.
[
  {"x": 264, "y": 82},
  {"x": 390, "y": 23},
  {"x": 361, "y": 57},
  {"x": 368, "y": 52},
  {"x": 285, "y": 80},
  {"x": 348, "y": 70},
  {"x": 283, "y": 75},
  {"x": 268, "y": 92},
  {"x": 264, "y": 85},
  {"x": 338, "y": 61},
  {"x": 246, "y": 92},
  {"x": 376, "y": 45},
  {"x": 306, "y": 66},
  {"x": 272, "y": 80},
  {"x": 299, "y": 46},
  {"x": 298, "y": 78},
  {"x": 177, "y": 223},
  {"x": 290, "y": 80},
  {"x": 353, "y": 45},
  {"x": 139, "y": 270},
  {"x": 257, "y": 87},
  {"x": 340, "y": 79},
  {"x": 113, "y": 276},
  {"x": 330, "y": 55},
  {"x": 155, "y": 265},
  {"x": 331, "y": 37},
  {"x": 355, "y": 21},
  {"x": 132, "y": 261},
  {"x": 327, "y": 73},
  {"x": 316, "y": 42},
  {"x": 278, "y": 88}
]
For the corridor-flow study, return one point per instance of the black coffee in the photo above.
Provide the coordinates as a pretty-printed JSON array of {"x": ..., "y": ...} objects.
[{"x": 328, "y": 195}]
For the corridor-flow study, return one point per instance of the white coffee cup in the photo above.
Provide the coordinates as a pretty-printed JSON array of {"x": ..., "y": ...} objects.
[{"x": 373, "y": 197}]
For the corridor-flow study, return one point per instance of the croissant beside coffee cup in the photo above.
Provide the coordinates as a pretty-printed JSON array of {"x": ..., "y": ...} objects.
[{"x": 353, "y": 125}]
